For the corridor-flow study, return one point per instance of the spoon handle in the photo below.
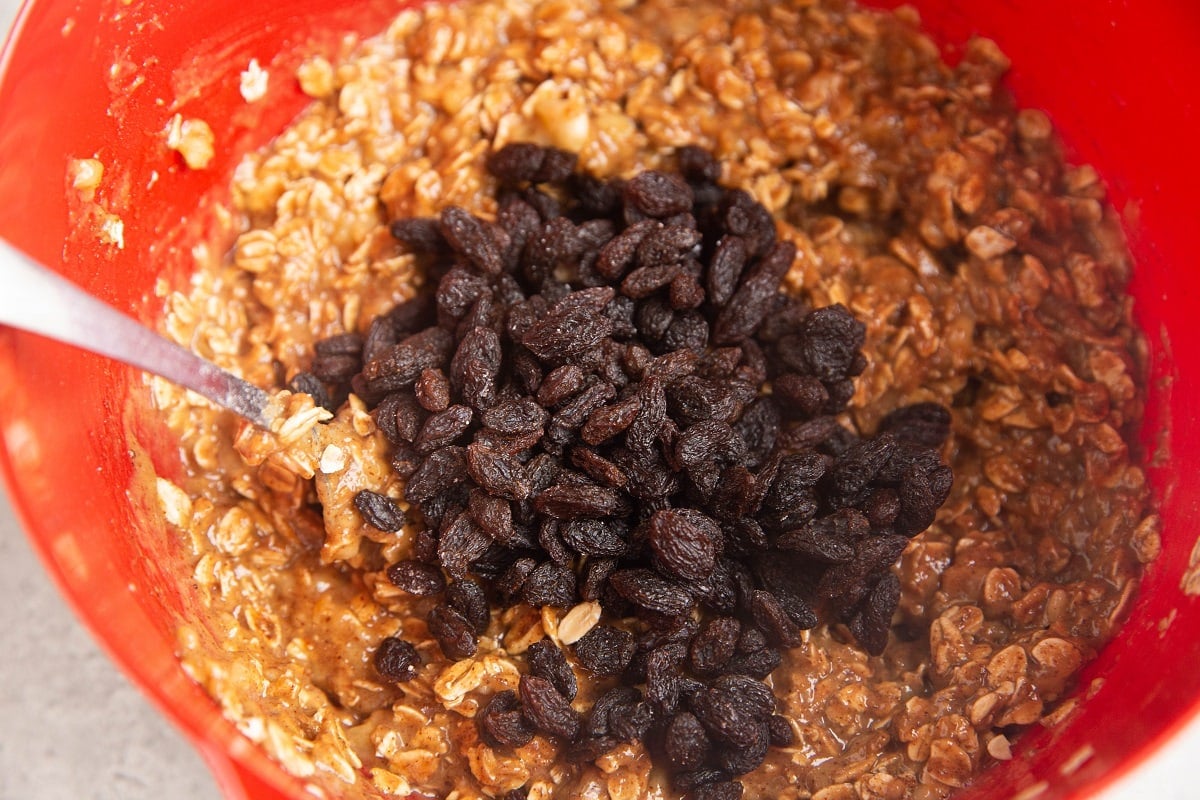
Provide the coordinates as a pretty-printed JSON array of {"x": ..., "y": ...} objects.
[{"x": 35, "y": 299}]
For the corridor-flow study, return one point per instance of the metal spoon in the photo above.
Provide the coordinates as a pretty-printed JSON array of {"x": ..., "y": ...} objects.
[{"x": 35, "y": 299}]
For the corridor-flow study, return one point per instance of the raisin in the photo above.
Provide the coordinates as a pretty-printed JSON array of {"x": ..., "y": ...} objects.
[
  {"x": 684, "y": 543},
  {"x": 400, "y": 366},
  {"x": 752, "y": 301},
  {"x": 443, "y": 428},
  {"x": 549, "y": 585},
  {"x": 560, "y": 384},
  {"x": 380, "y": 511},
  {"x": 605, "y": 651},
  {"x": 546, "y": 709},
  {"x": 416, "y": 578},
  {"x": 573, "y": 502},
  {"x": 725, "y": 269},
  {"x": 461, "y": 543},
  {"x": 475, "y": 367},
  {"x": 500, "y": 474},
  {"x": 573, "y": 325},
  {"x": 714, "y": 646},
  {"x": 780, "y": 731},
  {"x": 595, "y": 537},
  {"x": 452, "y": 632},
  {"x": 873, "y": 618},
  {"x": 685, "y": 742},
  {"x": 658, "y": 194},
  {"x": 471, "y": 238},
  {"x": 720, "y": 790},
  {"x": 645, "y": 589},
  {"x": 396, "y": 660},
  {"x": 433, "y": 390},
  {"x": 468, "y": 598},
  {"x": 547, "y": 661},
  {"x": 515, "y": 416},
  {"x": 501, "y": 723},
  {"x": 774, "y": 621},
  {"x": 608, "y": 421}
]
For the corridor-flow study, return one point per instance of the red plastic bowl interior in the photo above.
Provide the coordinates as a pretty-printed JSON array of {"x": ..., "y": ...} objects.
[{"x": 102, "y": 78}]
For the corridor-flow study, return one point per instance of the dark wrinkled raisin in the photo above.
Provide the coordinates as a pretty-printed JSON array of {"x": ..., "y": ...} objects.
[
  {"x": 573, "y": 502},
  {"x": 649, "y": 591},
  {"x": 744, "y": 217},
  {"x": 443, "y": 429},
  {"x": 781, "y": 731},
  {"x": 685, "y": 543},
  {"x": 473, "y": 239},
  {"x": 598, "y": 467},
  {"x": 549, "y": 585},
  {"x": 475, "y": 366},
  {"x": 758, "y": 664},
  {"x": 500, "y": 474},
  {"x": 714, "y": 646},
  {"x": 666, "y": 247},
  {"x": 512, "y": 580},
  {"x": 468, "y": 598},
  {"x": 518, "y": 162},
  {"x": 743, "y": 758},
  {"x": 419, "y": 234},
  {"x": 546, "y": 709},
  {"x": 461, "y": 543},
  {"x": 609, "y": 421},
  {"x": 595, "y": 577},
  {"x": 573, "y": 325},
  {"x": 401, "y": 365},
  {"x": 873, "y": 617},
  {"x": 753, "y": 298},
  {"x": 662, "y": 677},
  {"x": 492, "y": 514},
  {"x": 698, "y": 165},
  {"x": 685, "y": 742},
  {"x": 800, "y": 396},
  {"x": 595, "y": 537},
  {"x": 734, "y": 709},
  {"x": 452, "y": 632},
  {"x": 721, "y": 790},
  {"x": 501, "y": 723},
  {"x": 725, "y": 269},
  {"x": 433, "y": 390},
  {"x": 416, "y": 578},
  {"x": 516, "y": 415},
  {"x": 547, "y": 661},
  {"x": 307, "y": 383},
  {"x": 631, "y": 723},
  {"x": 689, "y": 780},
  {"x": 605, "y": 650},
  {"x": 380, "y": 511},
  {"x": 396, "y": 660},
  {"x": 560, "y": 384},
  {"x": 830, "y": 340},
  {"x": 399, "y": 417},
  {"x": 774, "y": 621},
  {"x": 658, "y": 194}
]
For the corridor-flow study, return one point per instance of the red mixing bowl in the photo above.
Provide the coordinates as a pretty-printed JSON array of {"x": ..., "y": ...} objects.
[{"x": 102, "y": 78}]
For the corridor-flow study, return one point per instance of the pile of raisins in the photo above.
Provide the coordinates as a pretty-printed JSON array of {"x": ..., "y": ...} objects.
[{"x": 605, "y": 396}]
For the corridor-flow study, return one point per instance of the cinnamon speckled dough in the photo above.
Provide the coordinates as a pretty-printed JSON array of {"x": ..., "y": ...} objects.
[{"x": 991, "y": 277}]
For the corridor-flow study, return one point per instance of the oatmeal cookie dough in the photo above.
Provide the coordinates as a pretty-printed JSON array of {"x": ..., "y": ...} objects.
[{"x": 989, "y": 273}]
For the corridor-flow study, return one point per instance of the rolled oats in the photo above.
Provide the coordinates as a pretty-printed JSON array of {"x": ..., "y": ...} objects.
[{"x": 990, "y": 277}]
